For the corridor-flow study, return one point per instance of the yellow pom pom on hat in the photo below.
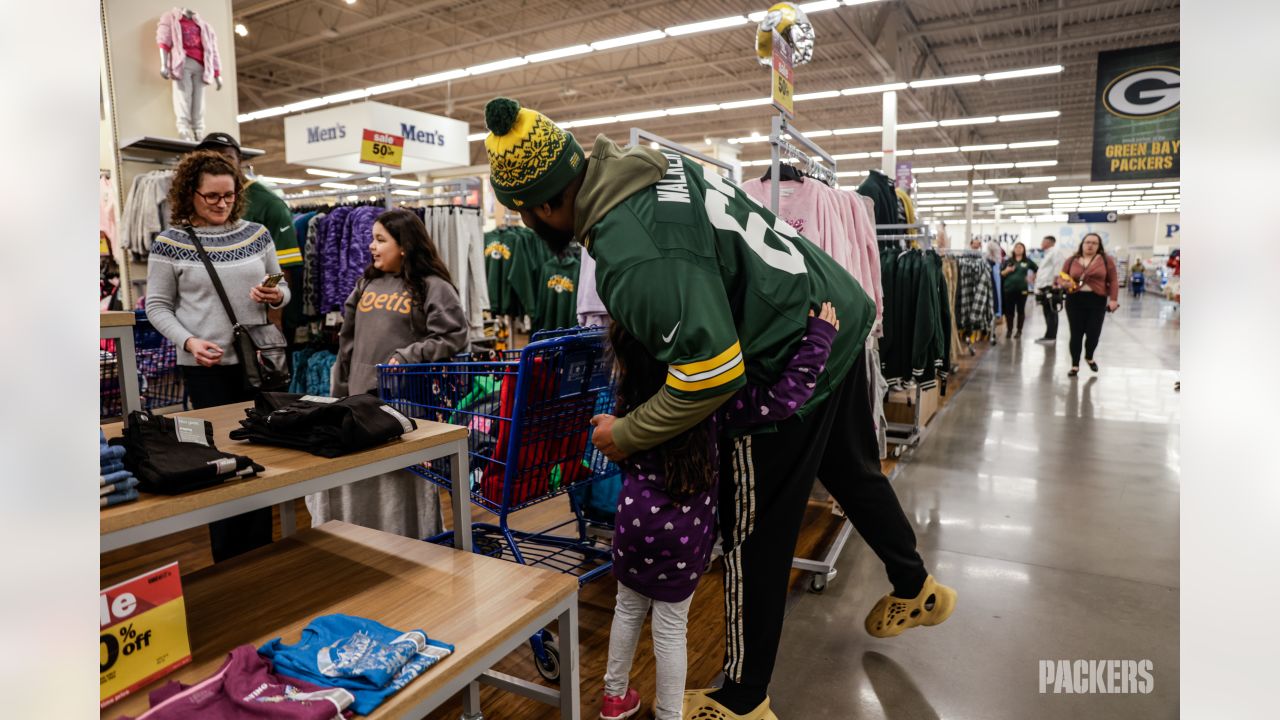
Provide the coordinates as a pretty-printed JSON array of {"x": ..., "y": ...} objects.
[{"x": 531, "y": 159}]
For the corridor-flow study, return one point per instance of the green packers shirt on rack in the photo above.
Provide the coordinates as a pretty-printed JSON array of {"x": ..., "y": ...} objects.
[{"x": 719, "y": 288}]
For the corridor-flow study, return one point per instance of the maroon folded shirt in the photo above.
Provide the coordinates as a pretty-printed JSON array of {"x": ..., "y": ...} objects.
[{"x": 246, "y": 688}]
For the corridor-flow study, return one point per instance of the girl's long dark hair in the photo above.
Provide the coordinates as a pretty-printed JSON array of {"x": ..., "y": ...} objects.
[
  {"x": 686, "y": 458},
  {"x": 421, "y": 259},
  {"x": 1101, "y": 250},
  {"x": 1013, "y": 254}
]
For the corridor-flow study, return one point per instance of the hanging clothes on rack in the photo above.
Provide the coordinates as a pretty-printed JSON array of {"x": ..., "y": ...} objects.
[
  {"x": 915, "y": 345},
  {"x": 142, "y": 218},
  {"x": 976, "y": 294},
  {"x": 591, "y": 309},
  {"x": 497, "y": 262},
  {"x": 880, "y": 188},
  {"x": 838, "y": 221},
  {"x": 558, "y": 291}
]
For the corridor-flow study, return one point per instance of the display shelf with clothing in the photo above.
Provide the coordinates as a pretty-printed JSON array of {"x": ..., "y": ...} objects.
[
  {"x": 341, "y": 619},
  {"x": 288, "y": 474}
]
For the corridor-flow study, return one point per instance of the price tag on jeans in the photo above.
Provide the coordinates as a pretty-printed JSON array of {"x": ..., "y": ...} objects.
[{"x": 384, "y": 149}]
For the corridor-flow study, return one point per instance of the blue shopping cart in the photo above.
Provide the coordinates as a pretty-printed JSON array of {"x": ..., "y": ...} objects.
[
  {"x": 159, "y": 380},
  {"x": 528, "y": 412}
]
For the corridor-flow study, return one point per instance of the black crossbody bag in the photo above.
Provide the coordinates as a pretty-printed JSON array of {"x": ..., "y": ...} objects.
[{"x": 261, "y": 347}]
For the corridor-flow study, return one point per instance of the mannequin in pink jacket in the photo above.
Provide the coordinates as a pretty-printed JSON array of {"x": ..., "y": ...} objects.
[{"x": 189, "y": 57}]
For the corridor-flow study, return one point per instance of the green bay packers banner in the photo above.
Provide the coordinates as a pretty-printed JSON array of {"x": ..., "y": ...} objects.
[{"x": 1135, "y": 121}]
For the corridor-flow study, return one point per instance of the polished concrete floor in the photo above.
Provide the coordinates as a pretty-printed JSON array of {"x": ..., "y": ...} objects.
[{"x": 1051, "y": 505}]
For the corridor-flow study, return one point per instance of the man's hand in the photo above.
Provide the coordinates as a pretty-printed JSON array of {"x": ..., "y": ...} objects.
[{"x": 602, "y": 438}]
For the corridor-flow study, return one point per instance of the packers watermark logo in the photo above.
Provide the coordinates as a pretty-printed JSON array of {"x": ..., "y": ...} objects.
[
  {"x": 1144, "y": 92},
  {"x": 1096, "y": 676},
  {"x": 560, "y": 284}
]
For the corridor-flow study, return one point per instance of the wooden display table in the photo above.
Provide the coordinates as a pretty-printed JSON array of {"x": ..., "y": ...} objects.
[
  {"x": 484, "y": 606},
  {"x": 289, "y": 474},
  {"x": 118, "y": 325}
]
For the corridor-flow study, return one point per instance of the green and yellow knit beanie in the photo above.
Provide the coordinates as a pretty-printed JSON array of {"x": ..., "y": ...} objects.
[{"x": 530, "y": 158}]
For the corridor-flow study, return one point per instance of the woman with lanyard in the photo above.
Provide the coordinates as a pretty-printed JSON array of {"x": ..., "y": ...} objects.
[
  {"x": 1089, "y": 278},
  {"x": 1015, "y": 272}
]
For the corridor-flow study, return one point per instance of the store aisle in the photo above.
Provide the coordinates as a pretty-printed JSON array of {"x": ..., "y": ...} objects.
[{"x": 1051, "y": 505}]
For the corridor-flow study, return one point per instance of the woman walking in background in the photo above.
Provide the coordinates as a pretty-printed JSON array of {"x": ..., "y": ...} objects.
[
  {"x": 1089, "y": 278},
  {"x": 1014, "y": 277},
  {"x": 405, "y": 309}
]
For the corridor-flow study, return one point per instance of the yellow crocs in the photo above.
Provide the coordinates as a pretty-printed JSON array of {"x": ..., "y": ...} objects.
[
  {"x": 698, "y": 705},
  {"x": 893, "y": 614}
]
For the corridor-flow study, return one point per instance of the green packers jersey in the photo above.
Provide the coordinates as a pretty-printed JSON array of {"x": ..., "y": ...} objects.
[{"x": 717, "y": 287}]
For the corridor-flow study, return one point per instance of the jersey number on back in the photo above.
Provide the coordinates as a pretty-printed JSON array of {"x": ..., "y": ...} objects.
[{"x": 719, "y": 191}]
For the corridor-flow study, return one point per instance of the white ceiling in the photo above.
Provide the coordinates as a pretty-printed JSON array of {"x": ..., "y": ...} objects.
[{"x": 298, "y": 50}]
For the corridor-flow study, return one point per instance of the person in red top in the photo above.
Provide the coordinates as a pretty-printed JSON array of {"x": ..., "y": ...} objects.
[{"x": 1091, "y": 282}]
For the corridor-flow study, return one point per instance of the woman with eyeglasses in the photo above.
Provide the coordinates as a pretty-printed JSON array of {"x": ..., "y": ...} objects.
[
  {"x": 182, "y": 303},
  {"x": 1089, "y": 278}
]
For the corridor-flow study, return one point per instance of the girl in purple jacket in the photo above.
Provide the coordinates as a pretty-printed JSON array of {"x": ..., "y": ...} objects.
[{"x": 665, "y": 525}]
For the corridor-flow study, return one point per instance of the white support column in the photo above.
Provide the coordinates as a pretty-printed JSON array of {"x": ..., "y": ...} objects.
[
  {"x": 889, "y": 136},
  {"x": 968, "y": 212}
]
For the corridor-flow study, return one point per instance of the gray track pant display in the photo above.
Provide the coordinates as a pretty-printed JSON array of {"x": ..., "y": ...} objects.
[{"x": 188, "y": 100}]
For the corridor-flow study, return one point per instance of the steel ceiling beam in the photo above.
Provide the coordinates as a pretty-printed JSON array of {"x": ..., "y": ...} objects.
[{"x": 1004, "y": 17}]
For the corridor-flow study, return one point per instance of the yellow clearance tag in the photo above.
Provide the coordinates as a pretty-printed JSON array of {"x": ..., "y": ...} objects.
[
  {"x": 382, "y": 149},
  {"x": 142, "y": 633}
]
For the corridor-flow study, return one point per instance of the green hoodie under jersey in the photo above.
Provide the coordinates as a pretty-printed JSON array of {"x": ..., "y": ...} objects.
[{"x": 709, "y": 281}]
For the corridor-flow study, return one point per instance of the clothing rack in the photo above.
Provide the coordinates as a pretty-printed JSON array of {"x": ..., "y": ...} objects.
[
  {"x": 904, "y": 435},
  {"x": 781, "y": 137},
  {"x": 383, "y": 188},
  {"x": 638, "y": 136}
]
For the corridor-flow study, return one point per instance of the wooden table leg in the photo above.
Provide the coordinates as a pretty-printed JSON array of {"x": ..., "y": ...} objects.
[{"x": 570, "y": 696}]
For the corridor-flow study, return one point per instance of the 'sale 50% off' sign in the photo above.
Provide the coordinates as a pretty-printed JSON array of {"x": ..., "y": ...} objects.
[{"x": 382, "y": 149}]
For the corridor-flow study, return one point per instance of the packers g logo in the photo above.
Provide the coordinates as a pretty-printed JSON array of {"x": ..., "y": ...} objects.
[{"x": 1144, "y": 92}]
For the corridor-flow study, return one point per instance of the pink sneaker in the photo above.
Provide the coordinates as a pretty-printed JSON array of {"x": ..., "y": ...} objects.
[{"x": 619, "y": 708}]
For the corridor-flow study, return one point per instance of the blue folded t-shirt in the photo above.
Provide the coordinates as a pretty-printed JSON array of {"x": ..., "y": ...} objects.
[{"x": 363, "y": 656}]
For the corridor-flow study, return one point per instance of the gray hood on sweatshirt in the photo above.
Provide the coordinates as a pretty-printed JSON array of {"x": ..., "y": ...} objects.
[{"x": 613, "y": 175}]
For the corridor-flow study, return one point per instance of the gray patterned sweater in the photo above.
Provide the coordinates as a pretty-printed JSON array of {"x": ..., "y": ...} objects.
[{"x": 181, "y": 300}]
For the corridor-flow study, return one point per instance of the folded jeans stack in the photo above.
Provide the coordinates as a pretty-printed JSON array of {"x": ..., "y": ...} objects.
[
  {"x": 363, "y": 656},
  {"x": 116, "y": 485},
  {"x": 323, "y": 426},
  {"x": 172, "y": 455}
]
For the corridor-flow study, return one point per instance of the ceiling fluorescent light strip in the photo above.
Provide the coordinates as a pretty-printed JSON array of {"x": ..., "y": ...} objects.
[
  {"x": 935, "y": 82},
  {"x": 496, "y": 66},
  {"x": 1016, "y": 117},
  {"x": 707, "y": 25},
  {"x": 608, "y": 44},
  {"x": 626, "y": 40},
  {"x": 874, "y": 89},
  {"x": 559, "y": 53},
  {"x": 1028, "y": 72},
  {"x": 968, "y": 121}
]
